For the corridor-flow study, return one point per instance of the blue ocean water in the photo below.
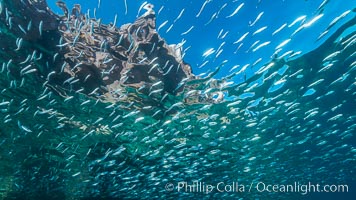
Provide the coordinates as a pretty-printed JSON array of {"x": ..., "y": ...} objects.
[
  {"x": 205, "y": 36},
  {"x": 287, "y": 119}
]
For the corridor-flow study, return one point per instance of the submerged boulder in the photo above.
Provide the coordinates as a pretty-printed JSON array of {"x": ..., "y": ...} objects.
[
  {"x": 82, "y": 54},
  {"x": 104, "y": 60}
]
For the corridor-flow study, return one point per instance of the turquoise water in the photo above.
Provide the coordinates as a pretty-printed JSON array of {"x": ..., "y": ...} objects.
[{"x": 287, "y": 118}]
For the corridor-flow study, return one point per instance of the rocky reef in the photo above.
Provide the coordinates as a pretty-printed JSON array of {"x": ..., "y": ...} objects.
[
  {"x": 105, "y": 60},
  {"x": 74, "y": 52}
]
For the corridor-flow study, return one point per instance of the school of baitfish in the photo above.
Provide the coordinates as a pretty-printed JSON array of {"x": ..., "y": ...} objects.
[{"x": 294, "y": 119}]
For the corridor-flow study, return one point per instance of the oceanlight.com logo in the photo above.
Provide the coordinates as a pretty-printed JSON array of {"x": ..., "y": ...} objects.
[{"x": 236, "y": 187}]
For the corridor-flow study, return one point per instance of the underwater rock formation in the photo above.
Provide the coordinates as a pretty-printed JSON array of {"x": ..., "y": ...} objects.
[
  {"x": 108, "y": 59},
  {"x": 86, "y": 56}
]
